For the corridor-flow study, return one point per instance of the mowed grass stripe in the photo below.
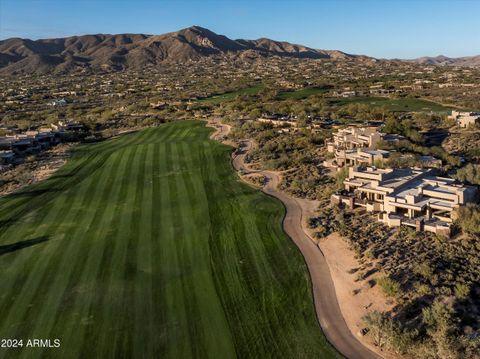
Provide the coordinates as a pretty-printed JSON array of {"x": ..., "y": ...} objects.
[
  {"x": 130, "y": 267},
  {"x": 234, "y": 266},
  {"x": 161, "y": 229},
  {"x": 204, "y": 307},
  {"x": 178, "y": 342},
  {"x": 156, "y": 250},
  {"x": 143, "y": 303},
  {"x": 16, "y": 272},
  {"x": 96, "y": 254},
  {"x": 33, "y": 283},
  {"x": 65, "y": 273},
  {"x": 107, "y": 228}
]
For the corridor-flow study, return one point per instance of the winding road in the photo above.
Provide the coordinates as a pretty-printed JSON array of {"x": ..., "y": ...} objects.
[{"x": 327, "y": 308}]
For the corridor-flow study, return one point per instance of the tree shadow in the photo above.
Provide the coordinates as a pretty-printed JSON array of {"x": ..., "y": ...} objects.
[
  {"x": 435, "y": 137},
  {"x": 33, "y": 193},
  {"x": 8, "y": 248}
]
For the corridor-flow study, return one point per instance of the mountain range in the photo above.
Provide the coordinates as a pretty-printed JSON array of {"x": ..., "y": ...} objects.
[
  {"x": 467, "y": 61},
  {"x": 135, "y": 51}
]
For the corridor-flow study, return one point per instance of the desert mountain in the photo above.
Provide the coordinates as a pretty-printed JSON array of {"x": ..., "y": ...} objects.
[
  {"x": 449, "y": 61},
  {"x": 133, "y": 51}
]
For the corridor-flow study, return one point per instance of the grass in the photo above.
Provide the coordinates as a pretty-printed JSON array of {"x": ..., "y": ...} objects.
[
  {"x": 149, "y": 246},
  {"x": 228, "y": 96},
  {"x": 396, "y": 105},
  {"x": 301, "y": 94}
]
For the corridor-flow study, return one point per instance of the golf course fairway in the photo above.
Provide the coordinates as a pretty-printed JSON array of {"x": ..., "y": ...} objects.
[{"x": 149, "y": 246}]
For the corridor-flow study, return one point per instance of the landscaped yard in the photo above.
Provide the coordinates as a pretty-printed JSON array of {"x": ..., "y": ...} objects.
[
  {"x": 150, "y": 246},
  {"x": 397, "y": 105}
]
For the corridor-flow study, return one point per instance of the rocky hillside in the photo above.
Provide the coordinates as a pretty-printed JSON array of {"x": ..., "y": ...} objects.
[{"x": 134, "y": 51}]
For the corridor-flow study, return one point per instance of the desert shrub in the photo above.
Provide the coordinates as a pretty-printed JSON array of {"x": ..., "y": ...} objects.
[
  {"x": 461, "y": 290},
  {"x": 389, "y": 286},
  {"x": 469, "y": 218},
  {"x": 470, "y": 173}
]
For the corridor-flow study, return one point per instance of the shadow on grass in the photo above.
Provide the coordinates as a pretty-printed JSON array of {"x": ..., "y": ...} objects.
[
  {"x": 8, "y": 248},
  {"x": 33, "y": 193}
]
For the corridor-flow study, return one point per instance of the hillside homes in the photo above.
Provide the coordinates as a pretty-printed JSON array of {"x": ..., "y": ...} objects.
[
  {"x": 354, "y": 137},
  {"x": 412, "y": 197},
  {"x": 353, "y": 146},
  {"x": 15, "y": 146}
]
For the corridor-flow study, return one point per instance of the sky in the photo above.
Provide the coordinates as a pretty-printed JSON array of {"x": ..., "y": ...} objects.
[{"x": 379, "y": 28}]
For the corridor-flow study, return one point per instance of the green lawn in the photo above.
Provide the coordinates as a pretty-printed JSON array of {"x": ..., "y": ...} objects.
[
  {"x": 301, "y": 94},
  {"x": 227, "y": 96},
  {"x": 148, "y": 246},
  {"x": 396, "y": 105}
]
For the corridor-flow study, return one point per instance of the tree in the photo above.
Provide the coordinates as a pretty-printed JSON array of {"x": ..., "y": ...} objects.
[
  {"x": 440, "y": 325},
  {"x": 340, "y": 178},
  {"x": 470, "y": 173},
  {"x": 469, "y": 218},
  {"x": 389, "y": 286}
]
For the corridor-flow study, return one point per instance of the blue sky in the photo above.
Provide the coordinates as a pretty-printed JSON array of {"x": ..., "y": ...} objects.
[{"x": 388, "y": 28}]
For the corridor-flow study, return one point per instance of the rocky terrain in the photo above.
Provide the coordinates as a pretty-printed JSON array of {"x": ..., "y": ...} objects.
[{"x": 135, "y": 51}]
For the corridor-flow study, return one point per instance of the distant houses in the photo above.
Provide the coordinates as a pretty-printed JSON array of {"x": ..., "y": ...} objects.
[
  {"x": 411, "y": 197},
  {"x": 278, "y": 119},
  {"x": 465, "y": 119},
  {"x": 14, "y": 146},
  {"x": 58, "y": 102}
]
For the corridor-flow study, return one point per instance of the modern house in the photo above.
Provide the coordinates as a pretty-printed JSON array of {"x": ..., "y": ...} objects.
[
  {"x": 354, "y": 146},
  {"x": 412, "y": 197},
  {"x": 465, "y": 119},
  {"x": 354, "y": 137},
  {"x": 356, "y": 157}
]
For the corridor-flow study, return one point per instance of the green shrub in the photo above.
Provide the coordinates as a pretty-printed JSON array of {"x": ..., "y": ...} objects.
[
  {"x": 389, "y": 286},
  {"x": 461, "y": 290}
]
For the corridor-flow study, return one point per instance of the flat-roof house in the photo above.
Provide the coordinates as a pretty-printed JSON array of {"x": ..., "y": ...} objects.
[
  {"x": 412, "y": 197},
  {"x": 354, "y": 137},
  {"x": 356, "y": 157},
  {"x": 465, "y": 119},
  {"x": 45, "y": 139},
  {"x": 354, "y": 146}
]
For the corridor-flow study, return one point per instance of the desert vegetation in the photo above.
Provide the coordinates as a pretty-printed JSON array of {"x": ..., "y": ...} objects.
[{"x": 434, "y": 282}]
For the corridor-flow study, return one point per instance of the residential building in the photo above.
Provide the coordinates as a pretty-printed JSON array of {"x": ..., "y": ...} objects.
[
  {"x": 412, "y": 197},
  {"x": 465, "y": 119},
  {"x": 354, "y": 137},
  {"x": 356, "y": 157},
  {"x": 354, "y": 146}
]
